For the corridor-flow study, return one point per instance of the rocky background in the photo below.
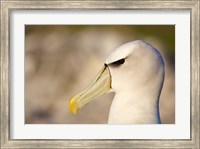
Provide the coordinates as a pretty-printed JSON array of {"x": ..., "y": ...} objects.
[{"x": 62, "y": 60}]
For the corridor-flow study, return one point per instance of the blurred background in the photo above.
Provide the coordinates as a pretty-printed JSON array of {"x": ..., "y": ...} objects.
[{"x": 62, "y": 60}]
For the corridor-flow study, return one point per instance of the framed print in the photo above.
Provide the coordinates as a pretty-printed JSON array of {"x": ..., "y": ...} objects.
[{"x": 145, "y": 56}]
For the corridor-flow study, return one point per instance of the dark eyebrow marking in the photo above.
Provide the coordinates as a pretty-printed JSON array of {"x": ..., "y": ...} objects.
[{"x": 117, "y": 63}]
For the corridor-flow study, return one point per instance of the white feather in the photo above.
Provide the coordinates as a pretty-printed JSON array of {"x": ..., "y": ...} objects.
[{"x": 137, "y": 84}]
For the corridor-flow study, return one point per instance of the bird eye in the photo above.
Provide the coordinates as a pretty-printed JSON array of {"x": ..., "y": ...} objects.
[{"x": 118, "y": 63}]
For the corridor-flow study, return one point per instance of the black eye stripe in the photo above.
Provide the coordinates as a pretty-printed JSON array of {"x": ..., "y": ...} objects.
[{"x": 118, "y": 63}]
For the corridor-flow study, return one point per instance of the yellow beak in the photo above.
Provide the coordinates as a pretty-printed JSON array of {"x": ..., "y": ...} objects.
[{"x": 100, "y": 86}]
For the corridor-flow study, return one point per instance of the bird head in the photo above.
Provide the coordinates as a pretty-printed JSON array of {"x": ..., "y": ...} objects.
[{"x": 130, "y": 66}]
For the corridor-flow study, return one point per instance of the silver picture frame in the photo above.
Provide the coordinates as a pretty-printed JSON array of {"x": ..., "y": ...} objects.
[{"x": 191, "y": 5}]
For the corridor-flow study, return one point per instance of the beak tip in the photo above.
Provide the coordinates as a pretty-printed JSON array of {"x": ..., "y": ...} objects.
[
  {"x": 101, "y": 85},
  {"x": 73, "y": 106}
]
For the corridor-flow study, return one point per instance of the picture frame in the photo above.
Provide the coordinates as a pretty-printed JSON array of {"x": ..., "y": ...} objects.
[{"x": 8, "y": 6}]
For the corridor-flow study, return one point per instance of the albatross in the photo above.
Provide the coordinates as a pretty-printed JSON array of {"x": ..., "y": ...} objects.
[{"x": 135, "y": 72}]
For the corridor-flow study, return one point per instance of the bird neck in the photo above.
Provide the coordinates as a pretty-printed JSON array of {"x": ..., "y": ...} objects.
[{"x": 136, "y": 106}]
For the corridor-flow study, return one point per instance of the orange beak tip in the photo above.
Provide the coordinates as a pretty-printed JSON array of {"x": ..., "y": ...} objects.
[{"x": 73, "y": 105}]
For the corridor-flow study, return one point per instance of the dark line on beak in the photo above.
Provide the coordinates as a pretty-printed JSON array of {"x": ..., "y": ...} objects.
[{"x": 102, "y": 71}]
